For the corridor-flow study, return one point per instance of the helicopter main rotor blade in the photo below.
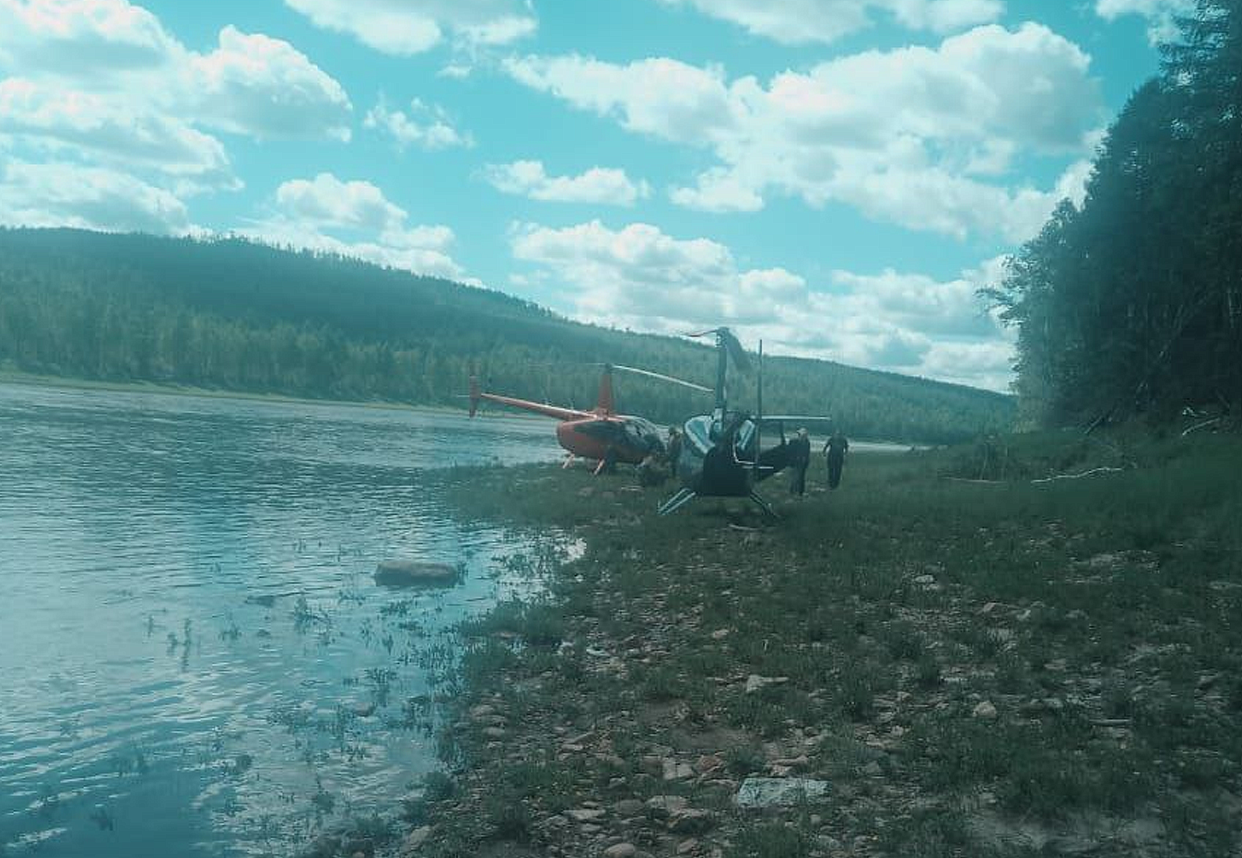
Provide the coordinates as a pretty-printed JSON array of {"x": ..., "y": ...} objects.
[
  {"x": 662, "y": 377},
  {"x": 738, "y": 354},
  {"x": 797, "y": 418}
]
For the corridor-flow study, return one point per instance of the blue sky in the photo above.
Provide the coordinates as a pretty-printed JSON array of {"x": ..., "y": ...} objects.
[{"x": 835, "y": 176}]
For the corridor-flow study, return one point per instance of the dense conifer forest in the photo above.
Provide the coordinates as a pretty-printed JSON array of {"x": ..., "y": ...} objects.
[
  {"x": 233, "y": 315},
  {"x": 1132, "y": 304}
]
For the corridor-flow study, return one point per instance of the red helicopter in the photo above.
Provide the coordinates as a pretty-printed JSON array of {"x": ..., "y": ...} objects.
[{"x": 601, "y": 433}]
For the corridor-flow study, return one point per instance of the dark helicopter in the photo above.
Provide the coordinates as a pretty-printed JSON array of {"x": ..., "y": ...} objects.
[{"x": 722, "y": 454}]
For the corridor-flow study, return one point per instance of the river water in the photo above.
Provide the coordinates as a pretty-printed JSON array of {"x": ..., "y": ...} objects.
[{"x": 194, "y": 660}]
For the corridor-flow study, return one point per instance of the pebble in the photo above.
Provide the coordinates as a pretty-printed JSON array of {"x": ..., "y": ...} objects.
[
  {"x": 675, "y": 771},
  {"x": 414, "y": 840},
  {"x": 667, "y": 804},
  {"x": 985, "y": 710},
  {"x": 628, "y": 807},
  {"x": 621, "y": 850},
  {"x": 585, "y": 814}
]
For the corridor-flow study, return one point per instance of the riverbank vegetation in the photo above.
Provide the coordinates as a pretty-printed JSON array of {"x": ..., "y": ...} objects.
[
  {"x": 243, "y": 317},
  {"x": 1132, "y": 303},
  {"x": 1005, "y": 667}
]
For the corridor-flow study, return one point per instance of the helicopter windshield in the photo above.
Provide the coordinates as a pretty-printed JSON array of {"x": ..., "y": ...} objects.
[{"x": 702, "y": 432}]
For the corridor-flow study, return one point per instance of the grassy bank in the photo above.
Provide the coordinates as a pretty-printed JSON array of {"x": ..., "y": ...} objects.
[{"x": 976, "y": 666}]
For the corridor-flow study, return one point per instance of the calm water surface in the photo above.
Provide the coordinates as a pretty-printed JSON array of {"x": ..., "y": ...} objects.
[{"x": 194, "y": 660}]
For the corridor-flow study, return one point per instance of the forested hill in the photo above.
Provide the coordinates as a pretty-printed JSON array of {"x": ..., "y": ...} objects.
[
  {"x": 235, "y": 315},
  {"x": 1133, "y": 302}
]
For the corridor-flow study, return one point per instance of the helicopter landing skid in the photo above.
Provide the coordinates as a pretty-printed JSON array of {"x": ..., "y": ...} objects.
[
  {"x": 676, "y": 502},
  {"x": 684, "y": 497},
  {"x": 764, "y": 505}
]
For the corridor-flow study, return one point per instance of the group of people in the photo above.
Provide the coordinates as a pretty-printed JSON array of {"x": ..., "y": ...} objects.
[
  {"x": 800, "y": 459},
  {"x": 657, "y": 467}
]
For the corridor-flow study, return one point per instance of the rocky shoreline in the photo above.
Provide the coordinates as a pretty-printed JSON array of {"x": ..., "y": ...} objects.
[{"x": 909, "y": 667}]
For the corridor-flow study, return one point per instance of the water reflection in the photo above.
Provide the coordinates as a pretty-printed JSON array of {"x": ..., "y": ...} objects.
[{"x": 195, "y": 659}]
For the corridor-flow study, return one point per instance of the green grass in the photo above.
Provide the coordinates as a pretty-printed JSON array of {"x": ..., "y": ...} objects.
[{"x": 1098, "y": 616}]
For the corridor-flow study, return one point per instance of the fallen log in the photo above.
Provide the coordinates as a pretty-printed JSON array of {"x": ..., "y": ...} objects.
[{"x": 1101, "y": 470}]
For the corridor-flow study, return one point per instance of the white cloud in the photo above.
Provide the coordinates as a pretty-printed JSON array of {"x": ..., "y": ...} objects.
[
  {"x": 82, "y": 37},
  {"x": 250, "y": 84},
  {"x": 718, "y": 190},
  {"x": 661, "y": 97},
  {"x": 805, "y": 21},
  {"x": 257, "y": 85},
  {"x": 355, "y": 219},
  {"x": 602, "y": 185},
  {"x": 101, "y": 87},
  {"x": 58, "y": 194},
  {"x": 1160, "y": 14},
  {"x": 55, "y": 118},
  {"x": 456, "y": 71},
  {"x": 326, "y": 201},
  {"x": 640, "y": 277},
  {"x": 404, "y": 28},
  {"x": 426, "y": 126},
  {"x": 906, "y": 135}
]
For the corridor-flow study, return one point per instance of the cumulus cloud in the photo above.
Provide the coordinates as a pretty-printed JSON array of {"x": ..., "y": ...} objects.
[
  {"x": 254, "y": 84},
  {"x": 354, "y": 218},
  {"x": 806, "y": 21},
  {"x": 425, "y": 126},
  {"x": 404, "y": 28},
  {"x": 1161, "y": 15},
  {"x": 109, "y": 132},
  {"x": 643, "y": 278},
  {"x": 101, "y": 87},
  {"x": 82, "y": 37},
  {"x": 907, "y": 135},
  {"x": 249, "y": 84},
  {"x": 654, "y": 281},
  {"x": 718, "y": 190},
  {"x": 58, "y": 194},
  {"x": 602, "y": 185}
]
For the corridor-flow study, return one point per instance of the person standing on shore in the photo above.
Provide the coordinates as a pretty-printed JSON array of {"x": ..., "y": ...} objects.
[
  {"x": 672, "y": 450},
  {"x": 799, "y": 459},
  {"x": 835, "y": 448}
]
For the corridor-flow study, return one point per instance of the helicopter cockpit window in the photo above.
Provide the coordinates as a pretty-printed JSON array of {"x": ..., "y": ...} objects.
[
  {"x": 698, "y": 434},
  {"x": 745, "y": 438}
]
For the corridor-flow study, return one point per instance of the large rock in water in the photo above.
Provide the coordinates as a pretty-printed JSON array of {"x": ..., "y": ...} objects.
[{"x": 413, "y": 573}]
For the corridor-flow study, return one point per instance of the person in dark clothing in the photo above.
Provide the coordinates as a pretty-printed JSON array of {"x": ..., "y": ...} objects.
[
  {"x": 672, "y": 450},
  {"x": 835, "y": 448},
  {"x": 799, "y": 459},
  {"x": 651, "y": 471},
  {"x": 608, "y": 464}
]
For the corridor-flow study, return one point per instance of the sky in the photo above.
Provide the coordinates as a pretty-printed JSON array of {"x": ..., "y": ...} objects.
[{"x": 834, "y": 177}]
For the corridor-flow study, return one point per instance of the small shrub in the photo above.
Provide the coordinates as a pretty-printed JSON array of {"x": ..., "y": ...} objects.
[
  {"x": 437, "y": 786},
  {"x": 904, "y": 642},
  {"x": 855, "y": 694},
  {"x": 743, "y": 760},
  {"x": 928, "y": 673},
  {"x": 770, "y": 840}
]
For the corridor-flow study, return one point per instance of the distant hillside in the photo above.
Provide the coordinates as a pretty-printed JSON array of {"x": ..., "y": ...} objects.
[{"x": 240, "y": 316}]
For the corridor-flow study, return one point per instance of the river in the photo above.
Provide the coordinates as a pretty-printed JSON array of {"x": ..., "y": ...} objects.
[{"x": 194, "y": 660}]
